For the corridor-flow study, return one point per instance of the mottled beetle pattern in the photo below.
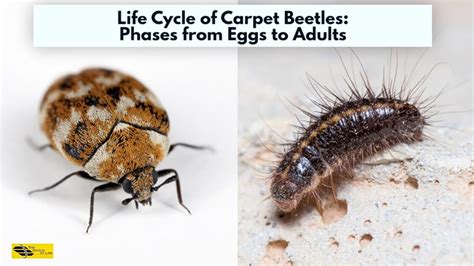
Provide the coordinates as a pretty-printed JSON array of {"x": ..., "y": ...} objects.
[{"x": 114, "y": 128}]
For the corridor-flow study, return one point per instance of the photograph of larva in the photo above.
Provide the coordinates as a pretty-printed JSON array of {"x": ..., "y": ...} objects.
[
  {"x": 356, "y": 155},
  {"x": 367, "y": 161}
]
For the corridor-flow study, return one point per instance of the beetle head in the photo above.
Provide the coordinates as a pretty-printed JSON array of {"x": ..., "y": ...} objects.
[{"x": 139, "y": 183}]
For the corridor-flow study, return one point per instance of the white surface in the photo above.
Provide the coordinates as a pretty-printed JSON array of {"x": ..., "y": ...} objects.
[
  {"x": 435, "y": 216},
  {"x": 198, "y": 89}
]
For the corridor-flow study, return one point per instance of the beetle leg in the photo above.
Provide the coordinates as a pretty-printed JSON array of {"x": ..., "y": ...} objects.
[
  {"x": 191, "y": 146},
  {"x": 36, "y": 146},
  {"x": 82, "y": 174},
  {"x": 173, "y": 178},
  {"x": 101, "y": 188}
]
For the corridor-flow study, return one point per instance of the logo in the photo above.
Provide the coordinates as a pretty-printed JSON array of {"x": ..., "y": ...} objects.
[
  {"x": 32, "y": 251},
  {"x": 23, "y": 251}
]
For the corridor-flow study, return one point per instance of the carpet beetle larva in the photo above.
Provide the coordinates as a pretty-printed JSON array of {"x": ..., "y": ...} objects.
[
  {"x": 346, "y": 130},
  {"x": 114, "y": 128}
]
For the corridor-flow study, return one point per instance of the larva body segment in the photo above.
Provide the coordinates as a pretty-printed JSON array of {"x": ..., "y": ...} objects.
[
  {"x": 105, "y": 122},
  {"x": 339, "y": 139}
]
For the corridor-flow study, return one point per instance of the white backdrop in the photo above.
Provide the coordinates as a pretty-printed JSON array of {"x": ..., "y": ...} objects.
[{"x": 198, "y": 87}]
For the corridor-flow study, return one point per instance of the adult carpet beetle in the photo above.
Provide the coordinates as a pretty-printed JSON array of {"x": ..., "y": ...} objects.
[{"x": 114, "y": 128}]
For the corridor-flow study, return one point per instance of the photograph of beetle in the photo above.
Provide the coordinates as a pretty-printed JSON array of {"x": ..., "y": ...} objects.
[
  {"x": 113, "y": 127},
  {"x": 89, "y": 134}
]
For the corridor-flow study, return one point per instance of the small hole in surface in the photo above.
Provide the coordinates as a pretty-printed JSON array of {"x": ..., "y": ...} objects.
[
  {"x": 334, "y": 212},
  {"x": 334, "y": 244},
  {"x": 398, "y": 234},
  {"x": 275, "y": 253},
  {"x": 416, "y": 248},
  {"x": 367, "y": 222},
  {"x": 365, "y": 239},
  {"x": 392, "y": 180},
  {"x": 412, "y": 182}
]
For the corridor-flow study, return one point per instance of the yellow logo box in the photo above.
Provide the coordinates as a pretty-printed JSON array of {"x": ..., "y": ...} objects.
[{"x": 32, "y": 251}]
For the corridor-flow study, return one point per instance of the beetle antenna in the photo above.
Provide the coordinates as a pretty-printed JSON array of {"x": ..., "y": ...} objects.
[{"x": 127, "y": 201}]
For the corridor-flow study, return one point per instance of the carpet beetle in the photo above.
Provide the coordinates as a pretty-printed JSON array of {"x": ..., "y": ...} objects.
[{"x": 114, "y": 128}]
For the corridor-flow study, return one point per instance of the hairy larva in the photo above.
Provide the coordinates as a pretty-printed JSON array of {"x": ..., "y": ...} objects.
[{"x": 348, "y": 130}]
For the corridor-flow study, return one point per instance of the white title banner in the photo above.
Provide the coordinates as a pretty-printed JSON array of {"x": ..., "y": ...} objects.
[{"x": 232, "y": 25}]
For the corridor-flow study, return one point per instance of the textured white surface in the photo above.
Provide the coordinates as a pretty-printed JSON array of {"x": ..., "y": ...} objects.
[{"x": 415, "y": 211}]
